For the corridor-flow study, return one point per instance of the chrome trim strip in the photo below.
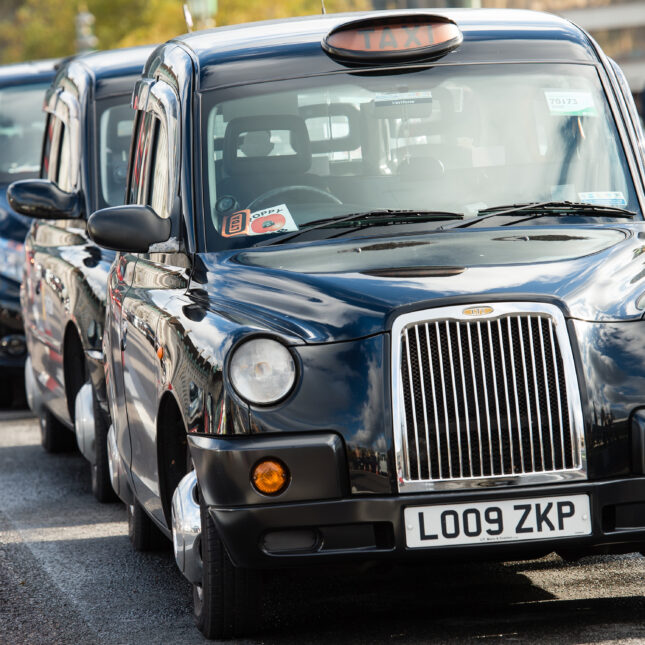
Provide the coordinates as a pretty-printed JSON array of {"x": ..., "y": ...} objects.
[
  {"x": 445, "y": 402},
  {"x": 535, "y": 387},
  {"x": 559, "y": 398},
  {"x": 423, "y": 399},
  {"x": 526, "y": 391},
  {"x": 520, "y": 433},
  {"x": 557, "y": 330},
  {"x": 463, "y": 389},
  {"x": 414, "y": 410},
  {"x": 499, "y": 423},
  {"x": 434, "y": 402},
  {"x": 548, "y": 392},
  {"x": 454, "y": 398},
  {"x": 479, "y": 427},
  {"x": 508, "y": 402}
]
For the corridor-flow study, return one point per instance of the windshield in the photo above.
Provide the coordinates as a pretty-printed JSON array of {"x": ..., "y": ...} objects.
[
  {"x": 280, "y": 155},
  {"x": 22, "y": 123},
  {"x": 115, "y": 120}
]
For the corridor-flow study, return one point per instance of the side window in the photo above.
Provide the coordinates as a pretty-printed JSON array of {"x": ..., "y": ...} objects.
[
  {"x": 159, "y": 177},
  {"x": 140, "y": 160},
  {"x": 115, "y": 133},
  {"x": 64, "y": 172},
  {"x": 48, "y": 147}
]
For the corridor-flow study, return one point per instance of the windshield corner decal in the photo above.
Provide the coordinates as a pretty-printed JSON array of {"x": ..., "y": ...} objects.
[
  {"x": 276, "y": 219},
  {"x": 604, "y": 198}
]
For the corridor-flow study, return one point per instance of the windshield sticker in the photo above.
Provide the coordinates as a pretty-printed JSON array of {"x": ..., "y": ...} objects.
[
  {"x": 402, "y": 98},
  {"x": 606, "y": 198},
  {"x": 570, "y": 102},
  {"x": 276, "y": 219}
]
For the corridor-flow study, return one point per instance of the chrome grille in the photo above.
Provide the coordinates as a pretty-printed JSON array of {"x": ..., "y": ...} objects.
[{"x": 485, "y": 400}]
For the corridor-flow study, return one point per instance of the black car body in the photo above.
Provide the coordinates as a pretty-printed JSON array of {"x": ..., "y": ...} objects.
[
  {"x": 83, "y": 167},
  {"x": 22, "y": 89},
  {"x": 383, "y": 291}
]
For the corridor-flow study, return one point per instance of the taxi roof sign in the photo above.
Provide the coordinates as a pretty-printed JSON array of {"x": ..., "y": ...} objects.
[{"x": 398, "y": 37}]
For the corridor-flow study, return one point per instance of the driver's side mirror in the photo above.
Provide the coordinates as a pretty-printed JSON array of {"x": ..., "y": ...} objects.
[
  {"x": 43, "y": 199},
  {"x": 131, "y": 228}
]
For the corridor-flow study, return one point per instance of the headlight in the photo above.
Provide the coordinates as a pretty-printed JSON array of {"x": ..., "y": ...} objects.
[
  {"x": 262, "y": 371},
  {"x": 12, "y": 259}
]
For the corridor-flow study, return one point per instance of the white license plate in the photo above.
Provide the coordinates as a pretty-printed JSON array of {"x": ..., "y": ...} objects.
[{"x": 499, "y": 521}]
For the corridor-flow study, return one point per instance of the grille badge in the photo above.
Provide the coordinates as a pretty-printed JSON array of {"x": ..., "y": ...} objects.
[{"x": 477, "y": 311}]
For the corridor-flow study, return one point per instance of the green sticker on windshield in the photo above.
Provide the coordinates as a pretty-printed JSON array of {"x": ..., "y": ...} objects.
[{"x": 570, "y": 102}]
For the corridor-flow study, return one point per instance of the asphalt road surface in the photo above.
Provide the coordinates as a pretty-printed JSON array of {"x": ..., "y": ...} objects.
[{"x": 69, "y": 575}]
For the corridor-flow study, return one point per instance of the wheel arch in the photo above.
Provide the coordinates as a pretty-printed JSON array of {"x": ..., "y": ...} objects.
[
  {"x": 172, "y": 450},
  {"x": 74, "y": 368}
]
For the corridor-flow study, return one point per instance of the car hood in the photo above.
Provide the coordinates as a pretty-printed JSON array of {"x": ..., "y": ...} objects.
[{"x": 339, "y": 290}]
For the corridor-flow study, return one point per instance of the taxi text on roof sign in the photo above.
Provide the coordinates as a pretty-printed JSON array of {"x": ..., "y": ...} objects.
[{"x": 393, "y": 37}]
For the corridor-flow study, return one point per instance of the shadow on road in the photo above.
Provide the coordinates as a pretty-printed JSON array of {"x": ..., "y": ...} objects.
[{"x": 456, "y": 604}]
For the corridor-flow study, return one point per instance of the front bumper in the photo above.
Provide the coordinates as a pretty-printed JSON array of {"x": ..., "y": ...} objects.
[
  {"x": 318, "y": 520},
  {"x": 352, "y": 530}
]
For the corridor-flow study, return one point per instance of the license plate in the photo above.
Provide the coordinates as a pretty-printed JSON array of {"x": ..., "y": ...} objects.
[{"x": 499, "y": 521}]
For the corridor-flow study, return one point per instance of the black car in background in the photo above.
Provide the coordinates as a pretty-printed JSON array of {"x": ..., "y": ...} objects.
[
  {"x": 380, "y": 295},
  {"x": 83, "y": 167},
  {"x": 22, "y": 122}
]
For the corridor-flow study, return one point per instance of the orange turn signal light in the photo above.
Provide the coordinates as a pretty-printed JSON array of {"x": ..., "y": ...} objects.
[{"x": 270, "y": 477}]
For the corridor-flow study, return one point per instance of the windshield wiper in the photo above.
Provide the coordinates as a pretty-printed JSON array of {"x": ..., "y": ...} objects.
[
  {"x": 385, "y": 215},
  {"x": 550, "y": 209}
]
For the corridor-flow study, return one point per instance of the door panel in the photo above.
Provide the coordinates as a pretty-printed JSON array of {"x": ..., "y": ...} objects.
[
  {"x": 157, "y": 278},
  {"x": 119, "y": 280},
  {"x": 56, "y": 252}
]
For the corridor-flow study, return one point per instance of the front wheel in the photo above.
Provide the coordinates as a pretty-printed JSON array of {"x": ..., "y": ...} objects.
[
  {"x": 54, "y": 436},
  {"x": 100, "y": 469},
  {"x": 227, "y": 602}
]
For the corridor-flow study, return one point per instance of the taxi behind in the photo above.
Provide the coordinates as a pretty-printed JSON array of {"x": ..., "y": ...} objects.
[
  {"x": 22, "y": 122},
  {"x": 379, "y": 296},
  {"x": 83, "y": 167}
]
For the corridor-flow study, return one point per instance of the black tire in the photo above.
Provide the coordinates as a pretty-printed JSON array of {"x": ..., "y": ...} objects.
[
  {"x": 54, "y": 436},
  {"x": 100, "y": 469},
  {"x": 142, "y": 531},
  {"x": 12, "y": 393},
  {"x": 6, "y": 392},
  {"x": 227, "y": 603}
]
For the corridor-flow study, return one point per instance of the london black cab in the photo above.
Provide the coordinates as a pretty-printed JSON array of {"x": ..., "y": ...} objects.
[
  {"x": 379, "y": 296},
  {"x": 83, "y": 167},
  {"x": 22, "y": 122}
]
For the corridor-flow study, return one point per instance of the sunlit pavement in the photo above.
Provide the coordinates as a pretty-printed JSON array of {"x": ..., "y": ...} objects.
[{"x": 69, "y": 575}]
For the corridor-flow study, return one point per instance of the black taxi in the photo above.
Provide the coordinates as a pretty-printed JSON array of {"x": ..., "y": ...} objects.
[
  {"x": 379, "y": 296},
  {"x": 22, "y": 122},
  {"x": 85, "y": 147}
]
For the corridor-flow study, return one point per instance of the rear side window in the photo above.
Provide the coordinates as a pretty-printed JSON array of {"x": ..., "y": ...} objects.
[
  {"x": 140, "y": 163},
  {"x": 48, "y": 147},
  {"x": 115, "y": 131},
  {"x": 64, "y": 173},
  {"x": 159, "y": 176},
  {"x": 22, "y": 122}
]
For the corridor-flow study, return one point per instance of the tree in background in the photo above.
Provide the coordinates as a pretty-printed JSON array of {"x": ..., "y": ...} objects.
[{"x": 34, "y": 29}]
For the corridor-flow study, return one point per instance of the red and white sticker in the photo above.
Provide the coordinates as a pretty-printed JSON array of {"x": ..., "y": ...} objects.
[{"x": 276, "y": 219}]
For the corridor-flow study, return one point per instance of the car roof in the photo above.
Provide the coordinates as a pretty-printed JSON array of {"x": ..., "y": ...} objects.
[
  {"x": 29, "y": 72},
  {"x": 111, "y": 72},
  {"x": 490, "y": 35}
]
